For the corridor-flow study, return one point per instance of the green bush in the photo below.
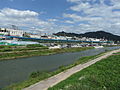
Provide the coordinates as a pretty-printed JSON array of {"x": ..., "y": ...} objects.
[
  {"x": 35, "y": 74},
  {"x": 7, "y": 49},
  {"x": 34, "y": 45},
  {"x": 4, "y": 46}
]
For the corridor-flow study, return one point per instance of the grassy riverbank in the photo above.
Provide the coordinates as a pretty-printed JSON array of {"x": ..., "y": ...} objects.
[
  {"x": 12, "y": 52},
  {"x": 111, "y": 45},
  {"x": 104, "y": 75},
  {"x": 38, "y": 76}
]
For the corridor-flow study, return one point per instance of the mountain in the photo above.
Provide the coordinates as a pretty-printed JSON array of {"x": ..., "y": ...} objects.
[{"x": 97, "y": 34}]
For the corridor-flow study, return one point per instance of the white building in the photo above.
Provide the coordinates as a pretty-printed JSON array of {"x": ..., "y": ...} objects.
[
  {"x": 34, "y": 36},
  {"x": 3, "y": 31},
  {"x": 11, "y": 32}
]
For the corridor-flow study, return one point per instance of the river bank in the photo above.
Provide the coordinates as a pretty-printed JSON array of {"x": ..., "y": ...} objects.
[
  {"x": 19, "y": 70},
  {"x": 35, "y": 51},
  {"x": 14, "y": 52},
  {"x": 103, "y": 75},
  {"x": 38, "y": 76}
]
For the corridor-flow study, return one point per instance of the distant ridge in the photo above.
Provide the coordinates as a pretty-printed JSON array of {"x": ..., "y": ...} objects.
[{"x": 97, "y": 34}]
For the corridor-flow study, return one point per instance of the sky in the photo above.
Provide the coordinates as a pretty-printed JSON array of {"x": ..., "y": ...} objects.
[{"x": 51, "y": 16}]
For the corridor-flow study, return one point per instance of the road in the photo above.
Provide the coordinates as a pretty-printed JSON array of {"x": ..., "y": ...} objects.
[{"x": 45, "y": 84}]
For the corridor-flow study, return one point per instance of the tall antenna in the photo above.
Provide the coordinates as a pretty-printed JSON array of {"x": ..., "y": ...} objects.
[{"x": 14, "y": 27}]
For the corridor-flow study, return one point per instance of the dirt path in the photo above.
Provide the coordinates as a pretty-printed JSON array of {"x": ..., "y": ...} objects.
[{"x": 45, "y": 84}]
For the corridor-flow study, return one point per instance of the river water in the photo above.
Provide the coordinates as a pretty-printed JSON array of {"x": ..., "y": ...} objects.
[{"x": 17, "y": 70}]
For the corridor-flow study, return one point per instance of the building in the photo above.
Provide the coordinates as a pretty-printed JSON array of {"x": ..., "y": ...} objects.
[
  {"x": 11, "y": 32},
  {"x": 3, "y": 31},
  {"x": 34, "y": 36}
]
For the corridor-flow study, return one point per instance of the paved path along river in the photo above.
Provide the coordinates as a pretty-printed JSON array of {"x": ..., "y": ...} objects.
[{"x": 45, "y": 84}]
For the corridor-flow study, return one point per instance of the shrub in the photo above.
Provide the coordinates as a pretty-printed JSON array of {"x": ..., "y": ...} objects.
[{"x": 34, "y": 45}]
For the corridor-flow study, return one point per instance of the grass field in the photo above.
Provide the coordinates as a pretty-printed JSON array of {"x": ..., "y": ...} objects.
[{"x": 104, "y": 75}]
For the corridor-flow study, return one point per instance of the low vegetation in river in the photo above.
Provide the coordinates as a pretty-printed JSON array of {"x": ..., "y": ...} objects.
[
  {"x": 38, "y": 76},
  {"x": 8, "y": 48},
  {"x": 12, "y": 52},
  {"x": 104, "y": 75}
]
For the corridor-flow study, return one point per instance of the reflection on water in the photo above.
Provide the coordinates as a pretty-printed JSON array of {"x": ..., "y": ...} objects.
[{"x": 12, "y": 71}]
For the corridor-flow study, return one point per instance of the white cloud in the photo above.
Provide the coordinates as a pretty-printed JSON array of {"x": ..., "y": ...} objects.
[
  {"x": 86, "y": 17},
  {"x": 28, "y": 19},
  {"x": 52, "y": 20},
  {"x": 17, "y": 13},
  {"x": 79, "y": 7},
  {"x": 115, "y": 1},
  {"x": 22, "y": 18},
  {"x": 73, "y": 1},
  {"x": 80, "y": 1},
  {"x": 99, "y": 16},
  {"x": 72, "y": 16},
  {"x": 70, "y": 22},
  {"x": 78, "y": 18}
]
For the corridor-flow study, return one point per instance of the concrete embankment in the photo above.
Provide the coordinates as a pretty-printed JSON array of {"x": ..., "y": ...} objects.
[{"x": 45, "y": 84}]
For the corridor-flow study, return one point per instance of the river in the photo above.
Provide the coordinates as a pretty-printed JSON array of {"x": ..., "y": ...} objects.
[{"x": 17, "y": 70}]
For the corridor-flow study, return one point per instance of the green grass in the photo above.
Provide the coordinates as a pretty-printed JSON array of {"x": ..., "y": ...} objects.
[
  {"x": 117, "y": 53},
  {"x": 8, "y": 48},
  {"x": 34, "y": 45},
  {"x": 111, "y": 45},
  {"x": 38, "y": 76},
  {"x": 27, "y": 52},
  {"x": 104, "y": 75}
]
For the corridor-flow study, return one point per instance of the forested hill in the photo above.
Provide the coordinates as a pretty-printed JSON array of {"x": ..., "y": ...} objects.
[{"x": 97, "y": 34}]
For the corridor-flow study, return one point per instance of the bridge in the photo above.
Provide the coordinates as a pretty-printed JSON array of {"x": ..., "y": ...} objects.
[{"x": 53, "y": 40}]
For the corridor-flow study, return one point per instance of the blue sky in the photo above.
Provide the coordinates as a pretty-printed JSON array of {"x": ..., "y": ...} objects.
[
  {"x": 51, "y": 16},
  {"x": 53, "y": 8}
]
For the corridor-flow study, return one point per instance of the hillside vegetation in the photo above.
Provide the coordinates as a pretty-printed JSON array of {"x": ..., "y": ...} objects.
[{"x": 97, "y": 34}]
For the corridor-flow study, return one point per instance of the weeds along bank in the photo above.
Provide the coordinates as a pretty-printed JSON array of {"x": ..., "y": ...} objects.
[
  {"x": 12, "y": 52},
  {"x": 104, "y": 75}
]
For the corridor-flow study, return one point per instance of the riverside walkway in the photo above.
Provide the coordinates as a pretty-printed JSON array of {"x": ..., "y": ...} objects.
[{"x": 45, "y": 84}]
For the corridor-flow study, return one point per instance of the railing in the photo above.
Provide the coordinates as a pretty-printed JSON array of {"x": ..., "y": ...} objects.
[{"x": 55, "y": 40}]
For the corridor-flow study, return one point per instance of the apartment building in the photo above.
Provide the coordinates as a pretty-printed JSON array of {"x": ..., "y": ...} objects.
[{"x": 11, "y": 32}]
